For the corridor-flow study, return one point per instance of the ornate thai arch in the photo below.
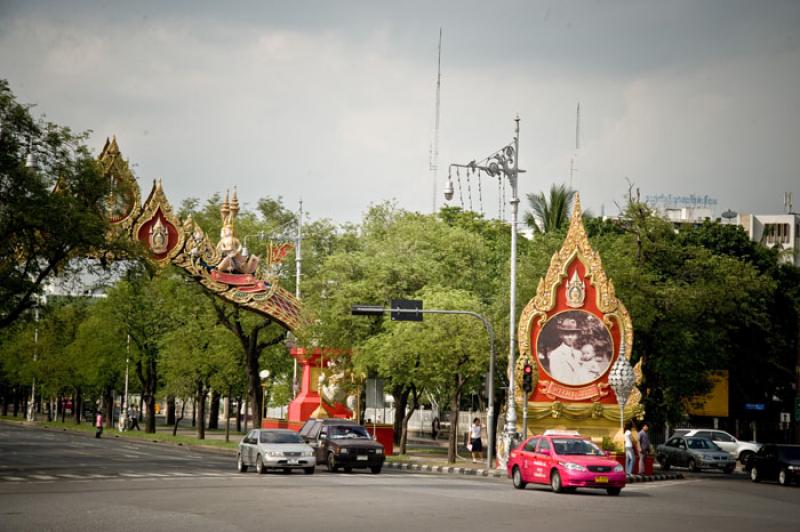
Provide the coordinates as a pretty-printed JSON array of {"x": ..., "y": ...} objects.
[{"x": 225, "y": 269}]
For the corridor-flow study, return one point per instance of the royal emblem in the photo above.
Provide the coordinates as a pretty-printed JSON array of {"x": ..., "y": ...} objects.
[{"x": 576, "y": 291}]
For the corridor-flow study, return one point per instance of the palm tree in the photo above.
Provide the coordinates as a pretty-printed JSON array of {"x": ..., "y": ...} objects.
[{"x": 549, "y": 215}]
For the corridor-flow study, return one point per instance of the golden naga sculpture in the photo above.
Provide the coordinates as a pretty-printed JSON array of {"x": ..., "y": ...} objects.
[{"x": 227, "y": 269}]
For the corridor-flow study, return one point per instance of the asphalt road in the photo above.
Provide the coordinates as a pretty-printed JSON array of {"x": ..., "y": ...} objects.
[{"x": 63, "y": 481}]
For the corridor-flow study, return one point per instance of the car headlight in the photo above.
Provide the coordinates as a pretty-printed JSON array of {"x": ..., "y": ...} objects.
[
  {"x": 344, "y": 450},
  {"x": 618, "y": 468},
  {"x": 794, "y": 468},
  {"x": 572, "y": 466},
  {"x": 308, "y": 453},
  {"x": 378, "y": 451},
  {"x": 274, "y": 453}
]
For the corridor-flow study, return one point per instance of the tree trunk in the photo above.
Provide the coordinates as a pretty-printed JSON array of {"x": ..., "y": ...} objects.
[
  {"x": 150, "y": 426},
  {"x": 194, "y": 411},
  {"x": 171, "y": 410},
  {"x": 406, "y": 417},
  {"x": 200, "y": 402},
  {"x": 400, "y": 394},
  {"x": 455, "y": 403},
  {"x": 178, "y": 420},
  {"x": 213, "y": 413},
  {"x": 77, "y": 405},
  {"x": 108, "y": 407}
]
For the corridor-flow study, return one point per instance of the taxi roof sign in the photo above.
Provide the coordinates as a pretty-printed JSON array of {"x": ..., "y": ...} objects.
[{"x": 561, "y": 432}]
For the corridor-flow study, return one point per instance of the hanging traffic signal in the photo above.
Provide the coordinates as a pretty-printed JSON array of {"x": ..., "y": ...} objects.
[{"x": 527, "y": 378}]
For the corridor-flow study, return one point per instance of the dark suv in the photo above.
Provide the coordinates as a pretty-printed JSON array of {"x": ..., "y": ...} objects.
[{"x": 343, "y": 443}]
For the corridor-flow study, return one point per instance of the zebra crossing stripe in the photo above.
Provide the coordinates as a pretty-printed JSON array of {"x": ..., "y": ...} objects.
[
  {"x": 42, "y": 477},
  {"x": 13, "y": 479}
]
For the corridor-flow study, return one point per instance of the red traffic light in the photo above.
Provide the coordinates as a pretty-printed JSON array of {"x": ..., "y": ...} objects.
[{"x": 528, "y": 369}]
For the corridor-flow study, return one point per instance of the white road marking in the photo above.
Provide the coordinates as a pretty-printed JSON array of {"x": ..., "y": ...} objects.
[
  {"x": 14, "y": 479},
  {"x": 42, "y": 477},
  {"x": 132, "y": 475}
]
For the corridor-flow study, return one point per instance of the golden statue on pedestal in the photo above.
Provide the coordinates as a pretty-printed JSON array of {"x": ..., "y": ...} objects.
[{"x": 235, "y": 257}]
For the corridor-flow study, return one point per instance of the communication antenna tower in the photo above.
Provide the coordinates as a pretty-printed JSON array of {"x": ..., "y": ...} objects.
[
  {"x": 572, "y": 166},
  {"x": 433, "y": 163},
  {"x": 787, "y": 202}
]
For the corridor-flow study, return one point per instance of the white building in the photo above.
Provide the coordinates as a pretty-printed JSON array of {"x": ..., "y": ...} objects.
[{"x": 782, "y": 230}]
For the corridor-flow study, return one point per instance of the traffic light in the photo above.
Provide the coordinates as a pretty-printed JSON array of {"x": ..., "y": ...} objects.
[{"x": 527, "y": 378}]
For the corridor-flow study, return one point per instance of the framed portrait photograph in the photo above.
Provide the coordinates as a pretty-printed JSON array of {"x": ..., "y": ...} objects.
[{"x": 574, "y": 347}]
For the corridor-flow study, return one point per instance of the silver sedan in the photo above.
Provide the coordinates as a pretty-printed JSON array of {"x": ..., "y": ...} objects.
[{"x": 275, "y": 449}]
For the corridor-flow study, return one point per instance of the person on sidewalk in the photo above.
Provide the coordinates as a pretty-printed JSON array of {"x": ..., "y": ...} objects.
[
  {"x": 644, "y": 445},
  {"x": 98, "y": 424},
  {"x": 476, "y": 445},
  {"x": 629, "y": 456},
  {"x": 133, "y": 418},
  {"x": 637, "y": 449}
]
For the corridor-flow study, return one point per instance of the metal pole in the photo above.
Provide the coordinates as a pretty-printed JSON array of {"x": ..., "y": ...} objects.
[
  {"x": 298, "y": 266},
  {"x": 35, "y": 349},
  {"x": 511, "y": 411},
  {"x": 123, "y": 415}
]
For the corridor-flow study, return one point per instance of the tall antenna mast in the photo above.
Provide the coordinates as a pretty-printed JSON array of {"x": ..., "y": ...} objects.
[
  {"x": 433, "y": 164},
  {"x": 572, "y": 168}
]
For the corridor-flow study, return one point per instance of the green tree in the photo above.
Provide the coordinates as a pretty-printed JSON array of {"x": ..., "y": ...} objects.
[
  {"x": 52, "y": 212},
  {"x": 549, "y": 213}
]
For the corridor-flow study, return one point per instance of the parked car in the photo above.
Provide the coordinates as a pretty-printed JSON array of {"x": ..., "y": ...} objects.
[
  {"x": 695, "y": 453},
  {"x": 740, "y": 450},
  {"x": 565, "y": 461},
  {"x": 343, "y": 443},
  {"x": 275, "y": 449},
  {"x": 775, "y": 462}
]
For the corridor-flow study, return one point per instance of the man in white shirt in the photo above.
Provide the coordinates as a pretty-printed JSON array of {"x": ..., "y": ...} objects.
[{"x": 565, "y": 360}]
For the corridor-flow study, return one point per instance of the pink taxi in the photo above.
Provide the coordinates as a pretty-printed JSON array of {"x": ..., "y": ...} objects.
[{"x": 565, "y": 460}]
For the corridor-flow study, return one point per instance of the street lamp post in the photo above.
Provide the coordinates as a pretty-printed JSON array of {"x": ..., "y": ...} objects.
[
  {"x": 32, "y": 404},
  {"x": 123, "y": 410},
  {"x": 505, "y": 162},
  {"x": 373, "y": 310}
]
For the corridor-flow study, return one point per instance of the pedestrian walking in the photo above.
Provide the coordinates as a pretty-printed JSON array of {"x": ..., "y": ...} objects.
[
  {"x": 644, "y": 444},
  {"x": 629, "y": 456},
  {"x": 98, "y": 424},
  {"x": 476, "y": 445},
  {"x": 133, "y": 419}
]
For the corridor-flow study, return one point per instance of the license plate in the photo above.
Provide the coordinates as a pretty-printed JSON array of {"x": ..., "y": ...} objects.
[
  {"x": 362, "y": 458},
  {"x": 601, "y": 480},
  {"x": 292, "y": 461}
]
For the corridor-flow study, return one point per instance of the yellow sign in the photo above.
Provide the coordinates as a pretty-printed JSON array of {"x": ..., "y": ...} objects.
[{"x": 715, "y": 404}]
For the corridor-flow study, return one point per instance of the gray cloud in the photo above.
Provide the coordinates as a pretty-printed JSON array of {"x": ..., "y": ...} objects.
[{"x": 333, "y": 101}]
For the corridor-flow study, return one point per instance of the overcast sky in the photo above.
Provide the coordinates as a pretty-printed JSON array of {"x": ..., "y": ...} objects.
[{"x": 334, "y": 101}]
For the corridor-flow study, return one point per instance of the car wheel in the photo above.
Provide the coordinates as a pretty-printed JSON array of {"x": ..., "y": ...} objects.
[
  {"x": 783, "y": 477},
  {"x": 664, "y": 461},
  {"x": 613, "y": 491},
  {"x": 348, "y": 469},
  {"x": 260, "y": 469},
  {"x": 693, "y": 465},
  {"x": 375, "y": 469},
  {"x": 516, "y": 479},
  {"x": 331, "y": 463},
  {"x": 754, "y": 475},
  {"x": 555, "y": 482},
  {"x": 240, "y": 465},
  {"x": 308, "y": 471},
  {"x": 744, "y": 456}
]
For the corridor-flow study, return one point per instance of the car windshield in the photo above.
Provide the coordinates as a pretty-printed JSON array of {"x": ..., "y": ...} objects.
[
  {"x": 790, "y": 453},
  {"x": 576, "y": 447},
  {"x": 348, "y": 431},
  {"x": 280, "y": 437},
  {"x": 701, "y": 443}
]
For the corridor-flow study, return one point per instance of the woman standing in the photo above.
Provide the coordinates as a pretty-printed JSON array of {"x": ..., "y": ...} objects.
[
  {"x": 475, "y": 439},
  {"x": 629, "y": 455},
  {"x": 99, "y": 424}
]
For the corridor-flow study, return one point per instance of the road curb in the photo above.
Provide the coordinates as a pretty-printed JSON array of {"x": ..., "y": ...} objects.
[{"x": 499, "y": 473}]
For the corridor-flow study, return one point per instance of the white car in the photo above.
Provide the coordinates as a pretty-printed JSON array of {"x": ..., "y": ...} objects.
[
  {"x": 740, "y": 450},
  {"x": 275, "y": 449}
]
